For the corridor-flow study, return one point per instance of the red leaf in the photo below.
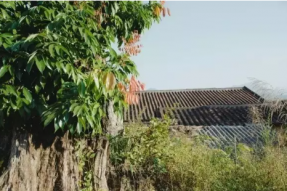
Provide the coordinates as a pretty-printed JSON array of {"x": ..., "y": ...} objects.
[
  {"x": 163, "y": 12},
  {"x": 131, "y": 96},
  {"x": 168, "y": 11},
  {"x": 142, "y": 86}
]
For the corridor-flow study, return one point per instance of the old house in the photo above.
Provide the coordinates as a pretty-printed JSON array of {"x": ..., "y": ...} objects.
[{"x": 227, "y": 114}]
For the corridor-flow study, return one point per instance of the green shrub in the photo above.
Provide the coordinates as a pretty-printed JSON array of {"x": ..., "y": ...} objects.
[
  {"x": 142, "y": 149},
  {"x": 179, "y": 163}
]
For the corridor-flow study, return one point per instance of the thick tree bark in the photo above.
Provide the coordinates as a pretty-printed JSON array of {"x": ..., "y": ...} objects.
[
  {"x": 100, "y": 168},
  {"x": 42, "y": 160},
  {"x": 33, "y": 166}
]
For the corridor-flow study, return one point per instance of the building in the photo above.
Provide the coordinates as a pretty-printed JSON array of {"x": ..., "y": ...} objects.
[{"x": 226, "y": 114}]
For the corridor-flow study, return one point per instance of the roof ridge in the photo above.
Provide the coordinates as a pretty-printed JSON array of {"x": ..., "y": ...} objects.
[
  {"x": 195, "y": 89},
  {"x": 214, "y": 106}
]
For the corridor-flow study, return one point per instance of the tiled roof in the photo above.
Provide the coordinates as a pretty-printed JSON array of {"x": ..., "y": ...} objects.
[
  {"x": 229, "y": 135},
  {"x": 151, "y": 101},
  {"x": 221, "y": 136},
  {"x": 210, "y": 115},
  {"x": 226, "y": 135}
]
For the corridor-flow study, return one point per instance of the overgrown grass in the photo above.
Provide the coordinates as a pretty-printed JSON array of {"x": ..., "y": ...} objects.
[{"x": 150, "y": 157}]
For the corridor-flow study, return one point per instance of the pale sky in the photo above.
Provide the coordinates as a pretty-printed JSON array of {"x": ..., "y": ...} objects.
[{"x": 216, "y": 44}]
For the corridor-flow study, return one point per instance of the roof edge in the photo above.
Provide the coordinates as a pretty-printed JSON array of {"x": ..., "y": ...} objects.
[
  {"x": 261, "y": 99},
  {"x": 195, "y": 89}
]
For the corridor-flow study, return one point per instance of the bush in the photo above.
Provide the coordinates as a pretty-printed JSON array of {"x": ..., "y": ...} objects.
[
  {"x": 142, "y": 149},
  {"x": 149, "y": 153}
]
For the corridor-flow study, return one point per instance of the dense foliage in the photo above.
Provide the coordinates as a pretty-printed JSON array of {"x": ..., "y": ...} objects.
[
  {"x": 156, "y": 161},
  {"x": 57, "y": 60}
]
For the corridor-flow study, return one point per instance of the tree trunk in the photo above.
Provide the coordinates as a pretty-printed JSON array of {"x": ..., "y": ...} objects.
[
  {"x": 42, "y": 160},
  {"x": 34, "y": 165},
  {"x": 113, "y": 126},
  {"x": 115, "y": 123},
  {"x": 100, "y": 168}
]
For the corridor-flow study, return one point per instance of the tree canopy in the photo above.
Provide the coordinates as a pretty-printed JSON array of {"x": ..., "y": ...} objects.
[{"x": 57, "y": 62}]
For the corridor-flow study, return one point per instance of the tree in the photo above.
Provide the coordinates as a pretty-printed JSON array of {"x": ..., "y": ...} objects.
[{"x": 58, "y": 70}]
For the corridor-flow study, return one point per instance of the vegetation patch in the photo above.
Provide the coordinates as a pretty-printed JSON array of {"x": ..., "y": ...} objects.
[{"x": 148, "y": 156}]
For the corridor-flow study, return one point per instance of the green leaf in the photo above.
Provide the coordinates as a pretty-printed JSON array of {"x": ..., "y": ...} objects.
[
  {"x": 48, "y": 119},
  {"x": 11, "y": 90},
  {"x": 6, "y": 35},
  {"x": 30, "y": 61},
  {"x": 116, "y": 6},
  {"x": 113, "y": 11},
  {"x": 73, "y": 106},
  {"x": 57, "y": 50},
  {"x": 96, "y": 80},
  {"x": 66, "y": 118},
  {"x": 90, "y": 120},
  {"x": 61, "y": 124},
  {"x": 56, "y": 126},
  {"x": 58, "y": 47},
  {"x": 25, "y": 101},
  {"x": 4, "y": 13},
  {"x": 37, "y": 88},
  {"x": 31, "y": 37},
  {"x": 113, "y": 53},
  {"x": 43, "y": 81},
  {"x": 40, "y": 65},
  {"x": 3, "y": 70},
  {"x": 51, "y": 50},
  {"x": 11, "y": 71},
  {"x": 27, "y": 95},
  {"x": 21, "y": 19},
  {"x": 79, "y": 128},
  {"x": 81, "y": 88},
  {"x": 95, "y": 110},
  {"x": 77, "y": 110},
  {"x": 68, "y": 69},
  {"x": 82, "y": 122}
]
